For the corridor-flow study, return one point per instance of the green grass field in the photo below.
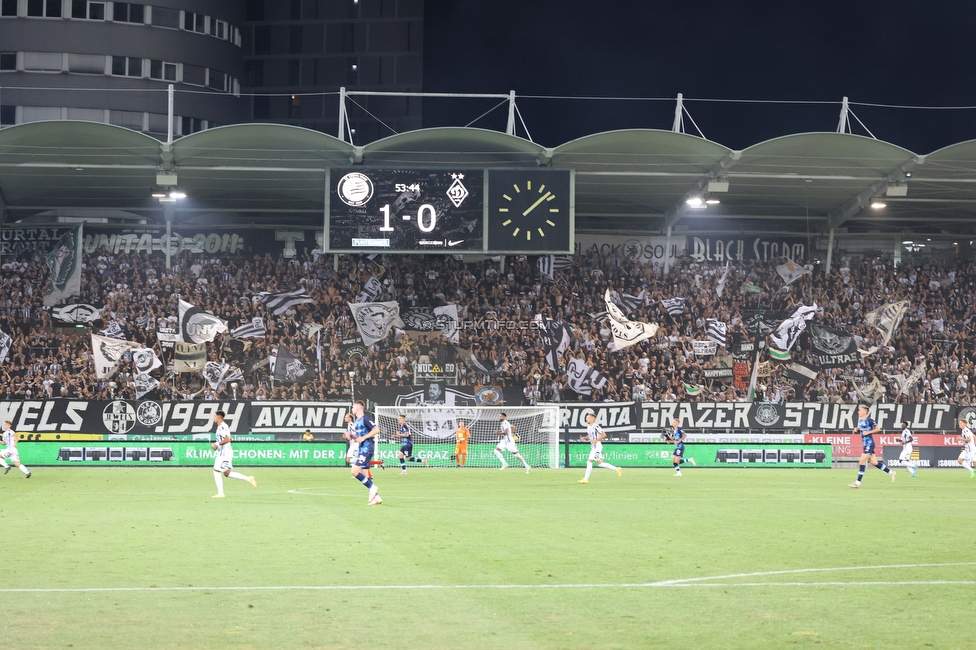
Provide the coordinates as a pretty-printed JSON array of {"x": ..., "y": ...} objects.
[{"x": 106, "y": 558}]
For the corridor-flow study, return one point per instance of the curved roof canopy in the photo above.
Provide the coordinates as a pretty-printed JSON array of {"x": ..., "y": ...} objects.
[{"x": 638, "y": 180}]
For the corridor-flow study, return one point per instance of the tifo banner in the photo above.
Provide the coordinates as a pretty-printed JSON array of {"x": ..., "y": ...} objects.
[
  {"x": 292, "y": 417},
  {"x": 182, "y": 454},
  {"x": 708, "y": 455},
  {"x": 760, "y": 249},
  {"x": 638, "y": 249},
  {"x": 613, "y": 417}
]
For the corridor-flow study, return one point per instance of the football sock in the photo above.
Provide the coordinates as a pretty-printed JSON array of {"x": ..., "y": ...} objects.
[
  {"x": 24, "y": 469},
  {"x": 524, "y": 462},
  {"x": 884, "y": 468},
  {"x": 365, "y": 480},
  {"x": 967, "y": 465},
  {"x": 860, "y": 472},
  {"x": 3, "y": 463},
  {"x": 219, "y": 480},
  {"x": 403, "y": 463},
  {"x": 462, "y": 458},
  {"x": 607, "y": 466},
  {"x": 589, "y": 470},
  {"x": 500, "y": 457},
  {"x": 677, "y": 467},
  {"x": 237, "y": 475},
  {"x": 414, "y": 459}
]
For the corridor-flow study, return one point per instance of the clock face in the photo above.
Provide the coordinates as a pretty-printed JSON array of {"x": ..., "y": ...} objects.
[{"x": 529, "y": 211}]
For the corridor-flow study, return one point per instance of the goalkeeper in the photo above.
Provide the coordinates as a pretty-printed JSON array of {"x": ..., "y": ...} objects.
[
  {"x": 462, "y": 435},
  {"x": 507, "y": 442}
]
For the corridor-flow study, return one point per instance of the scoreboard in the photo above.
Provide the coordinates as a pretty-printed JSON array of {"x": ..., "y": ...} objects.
[{"x": 449, "y": 211}]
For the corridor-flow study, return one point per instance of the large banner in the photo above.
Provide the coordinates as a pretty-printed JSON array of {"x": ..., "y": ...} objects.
[
  {"x": 708, "y": 455},
  {"x": 152, "y": 239},
  {"x": 295, "y": 417},
  {"x": 182, "y": 454},
  {"x": 637, "y": 248},
  {"x": 759, "y": 249},
  {"x": 616, "y": 418}
]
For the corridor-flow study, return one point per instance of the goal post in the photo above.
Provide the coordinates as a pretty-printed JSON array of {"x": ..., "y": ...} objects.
[{"x": 433, "y": 430}]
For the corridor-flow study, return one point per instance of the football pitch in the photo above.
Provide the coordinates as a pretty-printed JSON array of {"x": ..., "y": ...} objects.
[{"x": 143, "y": 557}]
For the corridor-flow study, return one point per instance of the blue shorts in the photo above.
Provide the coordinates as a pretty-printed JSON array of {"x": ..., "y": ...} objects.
[
  {"x": 679, "y": 450},
  {"x": 365, "y": 455},
  {"x": 868, "y": 446},
  {"x": 407, "y": 448}
]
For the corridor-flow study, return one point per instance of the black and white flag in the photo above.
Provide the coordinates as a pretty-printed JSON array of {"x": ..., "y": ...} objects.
[
  {"x": 64, "y": 264},
  {"x": 870, "y": 393},
  {"x": 549, "y": 264},
  {"x": 787, "y": 332},
  {"x": 290, "y": 369},
  {"x": 375, "y": 319},
  {"x": 887, "y": 318},
  {"x": 219, "y": 374},
  {"x": 144, "y": 384},
  {"x": 253, "y": 330},
  {"x": 626, "y": 332},
  {"x": 372, "y": 290},
  {"x": 556, "y": 337},
  {"x": 5, "y": 343},
  {"x": 279, "y": 303},
  {"x": 760, "y": 324},
  {"x": 145, "y": 360},
  {"x": 717, "y": 330},
  {"x": 107, "y": 353},
  {"x": 802, "y": 373},
  {"x": 146, "y": 321},
  {"x": 674, "y": 306},
  {"x": 629, "y": 302},
  {"x": 833, "y": 348},
  {"x": 189, "y": 357},
  {"x": 76, "y": 313},
  {"x": 790, "y": 271},
  {"x": 198, "y": 325},
  {"x": 600, "y": 317},
  {"x": 114, "y": 330},
  {"x": 720, "y": 288},
  {"x": 447, "y": 321},
  {"x": 582, "y": 378}
]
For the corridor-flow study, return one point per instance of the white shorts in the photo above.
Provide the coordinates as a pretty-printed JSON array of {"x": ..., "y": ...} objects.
[
  {"x": 352, "y": 452},
  {"x": 11, "y": 454},
  {"x": 507, "y": 445},
  {"x": 222, "y": 463},
  {"x": 906, "y": 453},
  {"x": 595, "y": 456},
  {"x": 968, "y": 454}
]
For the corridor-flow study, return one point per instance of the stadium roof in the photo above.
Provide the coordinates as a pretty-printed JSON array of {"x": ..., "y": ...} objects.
[{"x": 633, "y": 180}]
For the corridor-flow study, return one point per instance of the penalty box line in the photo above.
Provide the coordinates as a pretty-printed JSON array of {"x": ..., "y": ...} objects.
[{"x": 705, "y": 581}]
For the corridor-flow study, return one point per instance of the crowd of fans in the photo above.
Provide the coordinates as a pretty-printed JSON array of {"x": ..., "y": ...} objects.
[{"x": 48, "y": 359}]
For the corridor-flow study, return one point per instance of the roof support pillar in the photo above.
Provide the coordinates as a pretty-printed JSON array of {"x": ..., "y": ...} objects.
[
  {"x": 343, "y": 119},
  {"x": 667, "y": 252},
  {"x": 830, "y": 252},
  {"x": 510, "y": 128},
  {"x": 168, "y": 210},
  {"x": 679, "y": 118},
  {"x": 842, "y": 125},
  {"x": 169, "y": 116}
]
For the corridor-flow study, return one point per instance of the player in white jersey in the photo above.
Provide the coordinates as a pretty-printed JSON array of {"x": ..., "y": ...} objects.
[
  {"x": 968, "y": 454},
  {"x": 594, "y": 436},
  {"x": 507, "y": 442},
  {"x": 10, "y": 450},
  {"x": 907, "y": 440},
  {"x": 224, "y": 462},
  {"x": 350, "y": 436}
]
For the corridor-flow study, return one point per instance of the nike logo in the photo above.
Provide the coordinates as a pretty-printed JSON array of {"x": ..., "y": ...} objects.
[{"x": 451, "y": 242}]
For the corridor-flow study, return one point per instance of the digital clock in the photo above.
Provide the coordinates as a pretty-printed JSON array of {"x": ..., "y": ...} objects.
[{"x": 407, "y": 210}]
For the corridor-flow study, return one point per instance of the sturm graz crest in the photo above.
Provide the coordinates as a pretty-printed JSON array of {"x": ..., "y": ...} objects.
[
  {"x": 969, "y": 415},
  {"x": 119, "y": 417},
  {"x": 374, "y": 319},
  {"x": 829, "y": 342},
  {"x": 149, "y": 414},
  {"x": 767, "y": 415}
]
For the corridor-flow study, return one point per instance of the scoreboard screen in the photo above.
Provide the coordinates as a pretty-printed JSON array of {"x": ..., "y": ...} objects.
[{"x": 410, "y": 210}]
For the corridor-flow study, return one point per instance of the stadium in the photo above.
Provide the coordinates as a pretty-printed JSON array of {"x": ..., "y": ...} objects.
[{"x": 217, "y": 319}]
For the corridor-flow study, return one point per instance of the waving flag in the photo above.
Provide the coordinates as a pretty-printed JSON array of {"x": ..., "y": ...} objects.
[
  {"x": 674, "y": 306},
  {"x": 107, "y": 353},
  {"x": 717, "y": 330},
  {"x": 582, "y": 378},
  {"x": 887, "y": 318},
  {"x": 253, "y": 330},
  {"x": 791, "y": 271},
  {"x": 720, "y": 288},
  {"x": 375, "y": 319},
  {"x": 198, "y": 325},
  {"x": 279, "y": 303},
  {"x": 626, "y": 332},
  {"x": 790, "y": 329},
  {"x": 64, "y": 264},
  {"x": 549, "y": 264}
]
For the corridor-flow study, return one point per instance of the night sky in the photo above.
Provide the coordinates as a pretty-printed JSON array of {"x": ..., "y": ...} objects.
[{"x": 896, "y": 52}]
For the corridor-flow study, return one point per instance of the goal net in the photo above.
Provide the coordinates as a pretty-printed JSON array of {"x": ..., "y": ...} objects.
[{"x": 433, "y": 428}]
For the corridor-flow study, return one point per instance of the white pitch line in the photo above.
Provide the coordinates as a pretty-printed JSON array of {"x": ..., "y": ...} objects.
[{"x": 707, "y": 581}]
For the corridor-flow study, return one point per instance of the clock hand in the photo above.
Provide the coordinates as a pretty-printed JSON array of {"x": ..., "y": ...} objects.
[{"x": 536, "y": 204}]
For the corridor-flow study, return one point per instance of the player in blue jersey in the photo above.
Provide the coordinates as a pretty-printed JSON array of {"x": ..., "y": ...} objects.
[
  {"x": 406, "y": 447},
  {"x": 867, "y": 427},
  {"x": 678, "y": 435},
  {"x": 365, "y": 432}
]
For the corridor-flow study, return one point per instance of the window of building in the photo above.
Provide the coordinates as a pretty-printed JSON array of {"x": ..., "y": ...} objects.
[
  {"x": 262, "y": 107},
  {"x": 295, "y": 10},
  {"x": 236, "y": 39},
  {"x": 88, "y": 9},
  {"x": 129, "y": 119},
  {"x": 262, "y": 39},
  {"x": 218, "y": 29},
  {"x": 128, "y": 12},
  {"x": 8, "y": 114},
  {"x": 295, "y": 39},
  {"x": 191, "y": 125},
  {"x": 127, "y": 66},
  {"x": 162, "y": 70},
  {"x": 8, "y": 8},
  {"x": 8, "y": 60},
  {"x": 42, "y": 61},
  {"x": 255, "y": 10},
  {"x": 294, "y": 72},
  {"x": 352, "y": 74},
  {"x": 194, "y": 74},
  {"x": 165, "y": 17},
  {"x": 254, "y": 73},
  {"x": 86, "y": 63},
  {"x": 43, "y": 8},
  {"x": 349, "y": 38},
  {"x": 217, "y": 80},
  {"x": 194, "y": 22},
  {"x": 295, "y": 107}
]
